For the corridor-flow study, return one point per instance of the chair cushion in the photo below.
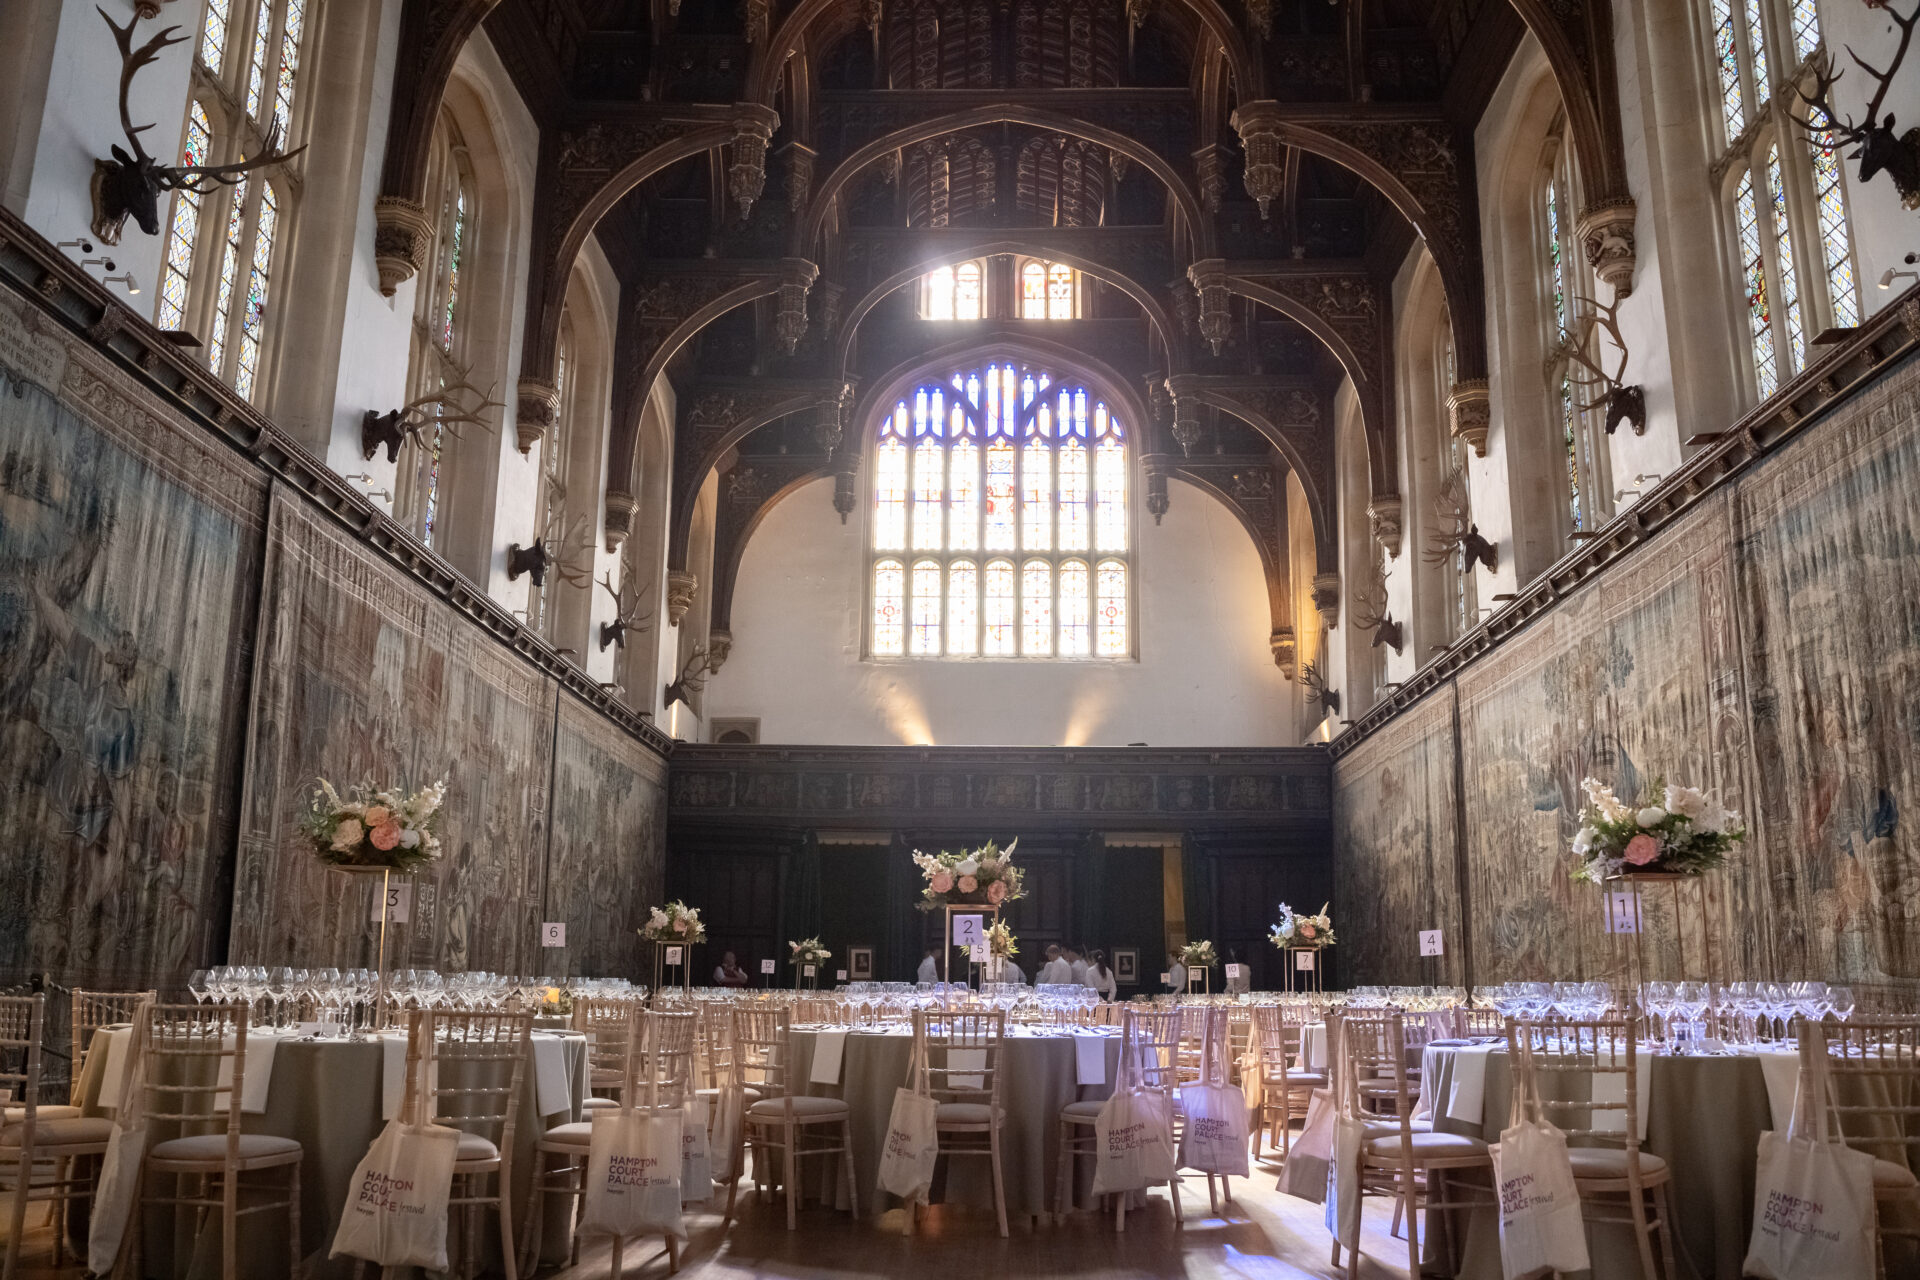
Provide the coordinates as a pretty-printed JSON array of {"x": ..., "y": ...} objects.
[
  {"x": 59, "y": 1131},
  {"x": 963, "y": 1113},
  {"x": 475, "y": 1147},
  {"x": 1610, "y": 1162},
  {"x": 804, "y": 1106},
  {"x": 1302, "y": 1079},
  {"x": 578, "y": 1134},
  {"x": 597, "y": 1104},
  {"x": 1084, "y": 1110},
  {"x": 10, "y": 1115},
  {"x": 1891, "y": 1176},
  {"x": 213, "y": 1147},
  {"x": 1428, "y": 1146}
]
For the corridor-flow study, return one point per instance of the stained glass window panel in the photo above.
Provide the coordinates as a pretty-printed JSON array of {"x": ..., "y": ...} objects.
[
  {"x": 940, "y": 293},
  {"x": 963, "y": 520},
  {"x": 1074, "y": 514},
  {"x": 1036, "y": 497},
  {"x": 1727, "y": 65},
  {"x": 1757, "y": 51},
  {"x": 967, "y": 292},
  {"x": 1033, "y": 292},
  {"x": 1036, "y": 608},
  {"x": 890, "y": 516},
  {"x": 1075, "y": 609},
  {"x": 1831, "y": 202},
  {"x": 1569, "y": 422},
  {"x": 889, "y": 608},
  {"x": 253, "y": 321},
  {"x": 1110, "y": 484},
  {"x": 213, "y": 33},
  {"x": 257, "y": 63},
  {"x": 456, "y": 252},
  {"x": 926, "y": 607},
  {"x": 1001, "y": 634},
  {"x": 1059, "y": 292},
  {"x": 289, "y": 65},
  {"x": 1753, "y": 270},
  {"x": 1000, "y": 501},
  {"x": 184, "y": 226},
  {"x": 963, "y": 607},
  {"x": 1554, "y": 257},
  {"x": 229, "y": 278},
  {"x": 435, "y": 452},
  {"x": 1110, "y": 610},
  {"x": 1806, "y": 27},
  {"x": 1783, "y": 254},
  {"x": 929, "y": 491}
]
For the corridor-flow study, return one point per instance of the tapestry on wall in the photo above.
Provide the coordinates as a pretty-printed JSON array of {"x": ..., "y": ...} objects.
[
  {"x": 1630, "y": 679},
  {"x": 1829, "y": 551},
  {"x": 1394, "y": 825},
  {"x": 361, "y": 673},
  {"x": 128, "y": 550},
  {"x": 608, "y": 844}
]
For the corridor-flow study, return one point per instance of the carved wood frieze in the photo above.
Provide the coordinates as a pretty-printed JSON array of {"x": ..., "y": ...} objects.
[{"x": 1161, "y": 118}]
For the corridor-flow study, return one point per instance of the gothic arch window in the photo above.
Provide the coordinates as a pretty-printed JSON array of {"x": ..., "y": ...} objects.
[
  {"x": 1785, "y": 197},
  {"x": 439, "y": 355},
  {"x": 552, "y": 514},
  {"x": 225, "y": 246},
  {"x": 1048, "y": 290},
  {"x": 1000, "y": 526},
  {"x": 958, "y": 292},
  {"x": 1582, "y": 456}
]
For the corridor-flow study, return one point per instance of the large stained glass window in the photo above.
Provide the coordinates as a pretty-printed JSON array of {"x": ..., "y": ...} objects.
[
  {"x": 253, "y": 319},
  {"x": 1027, "y": 466},
  {"x": 1726, "y": 65},
  {"x": 1831, "y": 203},
  {"x": 1806, "y": 28},
  {"x": 213, "y": 33},
  {"x": 1753, "y": 268},
  {"x": 183, "y": 228},
  {"x": 1783, "y": 260},
  {"x": 230, "y": 250}
]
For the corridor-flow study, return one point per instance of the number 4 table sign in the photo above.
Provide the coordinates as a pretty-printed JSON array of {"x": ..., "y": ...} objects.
[{"x": 1431, "y": 943}]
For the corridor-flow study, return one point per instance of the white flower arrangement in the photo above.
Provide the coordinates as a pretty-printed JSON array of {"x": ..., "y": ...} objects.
[
  {"x": 676, "y": 922},
  {"x": 808, "y": 951},
  {"x": 1672, "y": 830},
  {"x": 375, "y": 827},
  {"x": 984, "y": 875},
  {"x": 1199, "y": 955},
  {"x": 1296, "y": 932}
]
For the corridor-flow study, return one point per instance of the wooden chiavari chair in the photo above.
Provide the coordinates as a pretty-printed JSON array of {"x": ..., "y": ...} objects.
[
  {"x": 1866, "y": 1074},
  {"x": 189, "y": 1049},
  {"x": 965, "y": 1087},
  {"x": 763, "y": 1048},
  {"x": 1478, "y": 1020},
  {"x": 92, "y": 1010},
  {"x": 607, "y": 1025},
  {"x": 30, "y": 1132},
  {"x": 1150, "y": 1048},
  {"x": 1286, "y": 1082},
  {"x": 476, "y": 1065}
]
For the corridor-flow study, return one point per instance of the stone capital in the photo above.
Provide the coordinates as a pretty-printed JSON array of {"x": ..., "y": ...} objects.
[
  {"x": 536, "y": 409},
  {"x": 1470, "y": 410},
  {"x": 1326, "y": 599},
  {"x": 1284, "y": 650},
  {"x": 1383, "y": 515},
  {"x": 1605, "y": 232},
  {"x": 681, "y": 584},
  {"x": 620, "y": 509}
]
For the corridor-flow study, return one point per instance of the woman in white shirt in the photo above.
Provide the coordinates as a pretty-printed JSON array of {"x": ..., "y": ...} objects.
[{"x": 1099, "y": 977}]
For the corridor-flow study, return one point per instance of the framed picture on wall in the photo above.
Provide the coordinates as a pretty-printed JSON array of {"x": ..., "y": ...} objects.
[
  {"x": 1126, "y": 966},
  {"x": 859, "y": 964}
]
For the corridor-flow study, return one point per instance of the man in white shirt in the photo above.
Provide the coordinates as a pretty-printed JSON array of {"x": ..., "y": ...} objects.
[
  {"x": 1077, "y": 967},
  {"x": 929, "y": 967},
  {"x": 1056, "y": 971},
  {"x": 1176, "y": 972}
]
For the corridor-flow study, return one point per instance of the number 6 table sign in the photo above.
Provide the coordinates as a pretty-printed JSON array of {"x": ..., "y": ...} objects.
[{"x": 553, "y": 934}]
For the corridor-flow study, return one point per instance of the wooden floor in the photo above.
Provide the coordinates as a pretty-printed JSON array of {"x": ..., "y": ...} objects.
[{"x": 1261, "y": 1235}]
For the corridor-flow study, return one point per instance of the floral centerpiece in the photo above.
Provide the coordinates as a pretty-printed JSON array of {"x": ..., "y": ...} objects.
[
  {"x": 1672, "y": 830},
  {"x": 980, "y": 877},
  {"x": 808, "y": 951},
  {"x": 1199, "y": 955},
  {"x": 385, "y": 827},
  {"x": 1296, "y": 932},
  {"x": 676, "y": 922},
  {"x": 1000, "y": 941}
]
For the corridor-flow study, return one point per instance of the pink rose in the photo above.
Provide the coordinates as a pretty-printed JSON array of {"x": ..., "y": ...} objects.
[
  {"x": 386, "y": 835},
  {"x": 1641, "y": 850},
  {"x": 942, "y": 882},
  {"x": 680, "y": 924},
  {"x": 968, "y": 884},
  {"x": 1306, "y": 931},
  {"x": 997, "y": 892}
]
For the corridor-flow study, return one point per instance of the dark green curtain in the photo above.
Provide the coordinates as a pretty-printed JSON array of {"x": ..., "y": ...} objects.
[
  {"x": 1089, "y": 894},
  {"x": 803, "y": 892},
  {"x": 900, "y": 951},
  {"x": 1196, "y": 882}
]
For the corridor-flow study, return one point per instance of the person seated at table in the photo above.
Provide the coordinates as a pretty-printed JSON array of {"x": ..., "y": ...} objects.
[
  {"x": 729, "y": 973},
  {"x": 1099, "y": 977},
  {"x": 1239, "y": 974},
  {"x": 1176, "y": 972},
  {"x": 929, "y": 966},
  {"x": 1077, "y": 966}
]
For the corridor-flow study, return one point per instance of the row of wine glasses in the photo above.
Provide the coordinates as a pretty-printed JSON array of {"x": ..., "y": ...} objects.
[
  {"x": 1575, "y": 1000},
  {"x": 339, "y": 997}
]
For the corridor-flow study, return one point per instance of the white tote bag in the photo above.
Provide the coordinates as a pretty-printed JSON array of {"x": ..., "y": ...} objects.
[
  {"x": 1813, "y": 1211},
  {"x": 1540, "y": 1227},
  {"x": 118, "y": 1189},
  {"x": 1215, "y": 1138},
  {"x": 396, "y": 1209},
  {"x": 1133, "y": 1136},
  {"x": 633, "y": 1173},
  {"x": 1342, "y": 1189},
  {"x": 696, "y": 1153},
  {"x": 912, "y": 1147},
  {"x": 1311, "y": 1154}
]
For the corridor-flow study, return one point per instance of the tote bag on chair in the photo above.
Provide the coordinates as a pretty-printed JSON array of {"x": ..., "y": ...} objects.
[
  {"x": 1134, "y": 1136},
  {"x": 633, "y": 1173},
  {"x": 1215, "y": 1139},
  {"x": 396, "y": 1210},
  {"x": 913, "y": 1145},
  {"x": 1813, "y": 1211}
]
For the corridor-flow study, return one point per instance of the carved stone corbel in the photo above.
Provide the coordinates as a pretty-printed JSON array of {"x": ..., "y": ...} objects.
[
  {"x": 536, "y": 410},
  {"x": 1186, "y": 411},
  {"x": 753, "y": 126},
  {"x": 844, "y": 497},
  {"x": 620, "y": 509},
  {"x": 1326, "y": 599},
  {"x": 1155, "y": 465},
  {"x": 1383, "y": 515},
  {"x": 1605, "y": 231},
  {"x": 800, "y": 158},
  {"x": 1282, "y": 644},
  {"x": 1209, "y": 279},
  {"x": 1470, "y": 409},
  {"x": 790, "y": 320},
  {"x": 681, "y": 584},
  {"x": 1259, "y": 127},
  {"x": 402, "y": 240},
  {"x": 1210, "y": 173}
]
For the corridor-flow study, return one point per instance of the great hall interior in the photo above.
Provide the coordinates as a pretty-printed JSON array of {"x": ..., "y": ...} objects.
[{"x": 835, "y": 583}]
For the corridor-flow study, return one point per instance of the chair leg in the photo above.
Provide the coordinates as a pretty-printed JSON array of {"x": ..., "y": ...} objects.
[
  {"x": 1409, "y": 1201},
  {"x": 999, "y": 1187},
  {"x": 229, "y": 1225},
  {"x": 619, "y": 1250},
  {"x": 1120, "y": 1210},
  {"x": 846, "y": 1163},
  {"x": 1213, "y": 1198},
  {"x": 673, "y": 1255},
  {"x": 536, "y": 1206},
  {"x": 1642, "y": 1238},
  {"x": 577, "y": 1179},
  {"x": 293, "y": 1221},
  {"x": 62, "y": 1171},
  {"x": 504, "y": 1190},
  {"x": 1173, "y": 1189},
  {"x": 733, "y": 1183},
  {"x": 22, "y": 1184},
  {"x": 790, "y": 1175},
  {"x": 1063, "y": 1188},
  {"x": 1664, "y": 1205}
]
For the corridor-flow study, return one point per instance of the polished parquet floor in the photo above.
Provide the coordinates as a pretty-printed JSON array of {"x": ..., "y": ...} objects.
[{"x": 1259, "y": 1234}]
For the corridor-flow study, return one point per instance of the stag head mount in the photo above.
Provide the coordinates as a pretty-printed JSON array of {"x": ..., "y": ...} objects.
[
  {"x": 1454, "y": 529},
  {"x": 1598, "y": 389},
  {"x": 1876, "y": 145},
  {"x": 1317, "y": 692},
  {"x": 700, "y": 664},
  {"x": 447, "y": 407},
  {"x": 1370, "y": 611},
  {"x": 568, "y": 553},
  {"x": 626, "y": 617},
  {"x": 129, "y": 185}
]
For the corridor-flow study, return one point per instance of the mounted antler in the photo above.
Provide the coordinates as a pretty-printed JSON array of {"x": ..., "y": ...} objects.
[
  {"x": 131, "y": 184},
  {"x": 1454, "y": 528},
  {"x": 1878, "y": 146},
  {"x": 701, "y": 663},
  {"x": 626, "y": 617},
  {"x": 1370, "y": 610},
  {"x": 1622, "y": 402},
  {"x": 442, "y": 407},
  {"x": 1316, "y": 686},
  {"x": 567, "y": 552}
]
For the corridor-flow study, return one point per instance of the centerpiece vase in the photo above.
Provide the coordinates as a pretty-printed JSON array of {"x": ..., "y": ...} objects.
[{"x": 378, "y": 880}]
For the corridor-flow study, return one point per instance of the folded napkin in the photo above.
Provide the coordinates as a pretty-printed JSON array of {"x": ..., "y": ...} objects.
[
  {"x": 828, "y": 1049},
  {"x": 962, "y": 1059},
  {"x": 1089, "y": 1058},
  {"x": 1313, "y": 1046},
  {"x": 114, "y": 1073},
  {"x": 550, "y": 1092},
  {"x": 253, "y": 1090},
  {"x": 393, "y": 1075},
  {"x": 1429, "y": 1072},
  {"x": 1613, "y": 1088},
  {"x": 1467, "y": 1101},
  {"x": 1781, "y": 1069}
]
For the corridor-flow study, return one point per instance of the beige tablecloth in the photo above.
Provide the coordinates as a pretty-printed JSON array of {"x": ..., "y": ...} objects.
[
  {"x": 1040, "y": 1078},
  {"x": 328, "y": 1095}
]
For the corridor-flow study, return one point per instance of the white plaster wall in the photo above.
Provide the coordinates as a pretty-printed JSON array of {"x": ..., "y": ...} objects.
[{"x": 1205, "y": 675}]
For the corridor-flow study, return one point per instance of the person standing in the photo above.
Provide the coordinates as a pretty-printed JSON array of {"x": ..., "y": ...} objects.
[
  {"x": 1055, "y": 971},
  {"x": 1099, "y": 977},
  {"x": 729, "y": 973},
  {"x": 929, "y": 966},
  {"x": 1176, "y": 973},
  {"x": 1077, "y": 966}
]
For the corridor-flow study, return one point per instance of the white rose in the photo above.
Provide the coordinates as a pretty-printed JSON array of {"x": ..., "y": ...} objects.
[
  {"x": 966, "y": 867},
  {"x": 1712, "y": 819},
  {"x": 657, "y": 920},
  {"x": 1651, "y": 816},
  {"x": 1583, "y": 840},
  {"x": 409, "y": 839},
  {"x": 1688, "y": 802}
]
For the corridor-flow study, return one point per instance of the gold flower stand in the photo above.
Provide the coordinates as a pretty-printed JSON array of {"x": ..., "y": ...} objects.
[
  {"x": 1295, "y": 968},
  {"x": 380, "y": 879},
  {"x": 953, "y": 909},
  {"x": 660, "y": 964},
  {"x": 1628, "y": 922}
]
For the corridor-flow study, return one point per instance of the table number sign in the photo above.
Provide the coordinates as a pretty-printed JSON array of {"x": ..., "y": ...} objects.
[
  {"x": 806, "y": 971},
  {"x": 839, "y": 975},
  {"x": 1304, "y": 959},
  {"x": 1431, "y": 944},
  {"x": 1623, "y": 911},
  {"x": 969, "y": 931},
  {"x": 977, "y": 953},
  {"x": 399, "y": 905},
  {"x": 766, "y": 966},
  {"x": 553, "y": 934},
  {"x": 1166, "y": 979},
  {"x": 673, "y": 955},
  {"x": 1234, "y": 971}
]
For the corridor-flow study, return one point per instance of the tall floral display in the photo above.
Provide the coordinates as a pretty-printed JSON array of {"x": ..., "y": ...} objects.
[
  {"x": 981, "y": 877},
  {"x": 1301, "y": 939},
  {"x": 1670, "y": 831},
  {"x": 386, "y": 828}
]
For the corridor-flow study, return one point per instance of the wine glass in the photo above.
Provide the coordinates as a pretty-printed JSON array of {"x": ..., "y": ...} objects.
[
  {"x": 1840, "y": 1002},
  {"x": 1691, "y": 1000},
  {"x": 1658, "y": 999},
  {"x": 279, "y": 982},
  {"x": 197, "y": 986}
]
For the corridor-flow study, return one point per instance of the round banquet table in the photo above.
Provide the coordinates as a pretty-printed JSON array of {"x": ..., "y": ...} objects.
[
  {"x": 1703, "y": 1116},
  {"x": 1039, "y": 1076},
  {"x": 330, "y": 1095}
]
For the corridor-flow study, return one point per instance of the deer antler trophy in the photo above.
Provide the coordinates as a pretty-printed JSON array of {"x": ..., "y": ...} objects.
[
  {"x": 1877, "y": 146},
  {"x": 131, "y": 184},
  {"x": 567, "y": 552},
  {"x": 443, "y": 407},
  {"x": 1454, "y": 528},
  {"x": 1316, "y": 686},
  {"x": 626, "y": 617},
  {"x": 701, "y": 663},
  {"x": 1622, "y": 402},
  {"x": 1370, "y": 610}
]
